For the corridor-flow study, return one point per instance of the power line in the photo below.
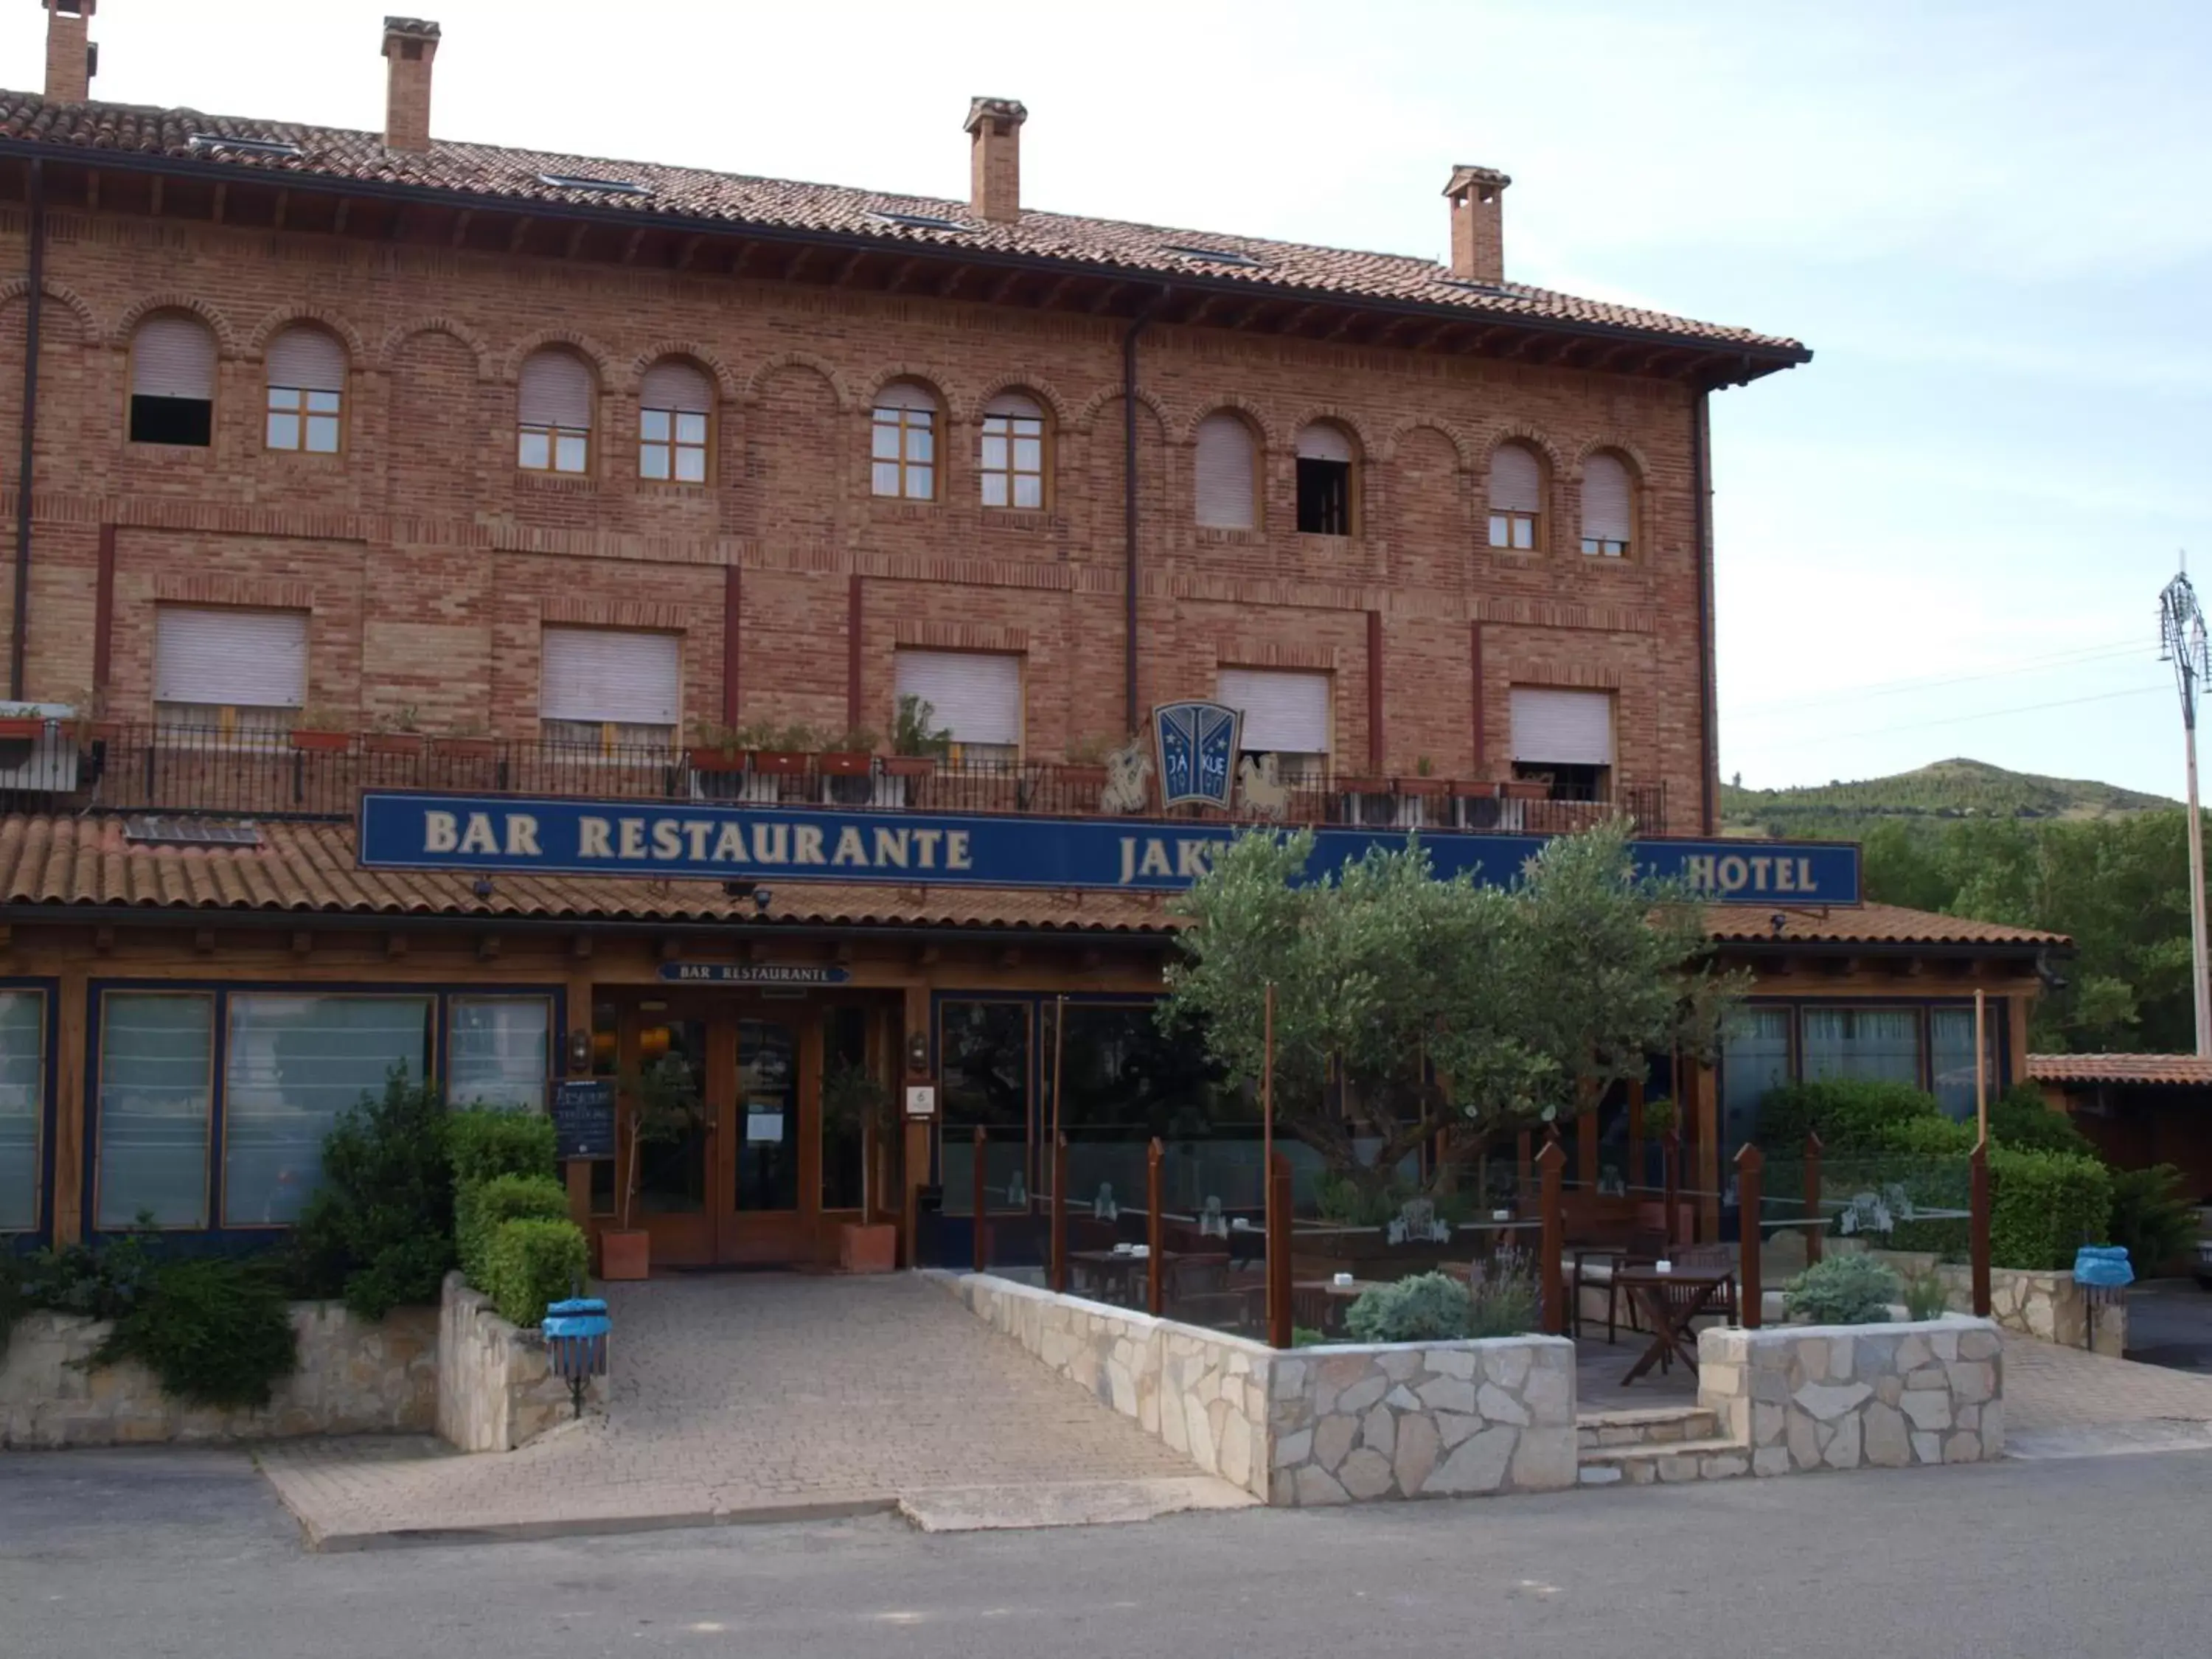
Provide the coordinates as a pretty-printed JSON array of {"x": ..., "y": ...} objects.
[
  {"x": 2079, "y": 657},
  {"x": 1987, "y": 714}
]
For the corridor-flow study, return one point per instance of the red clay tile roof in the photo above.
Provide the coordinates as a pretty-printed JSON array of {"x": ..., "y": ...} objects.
[
  {"x": 691, "y": 194},
  {"x": 1868, "y": 924},
  {"x": 2119, "y": 1068}
]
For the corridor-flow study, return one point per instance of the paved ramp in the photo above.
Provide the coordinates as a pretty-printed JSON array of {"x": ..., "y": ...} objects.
[
  {"x": 750, "y": 1397},
  {"x": 2067, "y": 1402}
]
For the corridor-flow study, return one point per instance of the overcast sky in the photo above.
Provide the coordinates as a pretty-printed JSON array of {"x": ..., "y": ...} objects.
[{"x": 1944, "y": 536}]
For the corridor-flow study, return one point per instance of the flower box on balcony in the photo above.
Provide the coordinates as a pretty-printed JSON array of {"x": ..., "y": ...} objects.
[
  {"x": 1525, "y": 789},
  {"x": 1083, "y": 775},
  {"x": 22, "y": 728},
  {"x": 719, "y": 760},
  {"x": 845, "y": 763},
  {"x": 780, "y": 762},
  {"x": 1429, "y": 787},
  {"x": 909, "y": 766},
  {"x": 464, "y": 748},
  {"x": 321, "y": 743},
  {"x": 407, "y": 744},
  {"x": 1474, "y": 788},
  {"x": 1362, "y": 786}
]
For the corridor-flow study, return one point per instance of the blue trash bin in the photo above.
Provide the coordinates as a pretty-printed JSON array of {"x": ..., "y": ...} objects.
[{"x": 576, "y": 1333}]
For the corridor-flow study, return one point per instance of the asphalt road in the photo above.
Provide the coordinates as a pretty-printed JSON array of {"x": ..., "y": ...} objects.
[
  {"x": 184, "y": 1554},
  {"x": 2170, "y": 1323}
]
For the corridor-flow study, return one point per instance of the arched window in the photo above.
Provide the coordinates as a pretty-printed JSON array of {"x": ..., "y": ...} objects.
[
  {"x": 1516, "y": 498},
  {"x": 307, "y": 390},
  {"x": 674, "y": 417},
  {"x": 1326, "y": 485},
  {"x": 904, "y": 446},
  {"x": 1014, "y": 458},
  {"x": 1228, "y": 473},
  {"x": 173, "y": 381},
  {"x": 1608, "y": 507},
  {"x": 554, "y": 403}
]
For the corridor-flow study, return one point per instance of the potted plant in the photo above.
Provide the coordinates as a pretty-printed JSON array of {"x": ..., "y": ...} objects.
[
  {"x": 1525, "y": 789},
  {"x": 1424, "y": 780},
  {"x": 466, "y": 741},
  {"x": 665, "y": 1106},
  {"x": 1086, "y": 759},
  {"x": 784, "y": 751},
  {"x": 321, "y": 731},
  {"x": 850, "y": 754},
  {"x": 719, "y": 748},
  {"x": 854, "y": 1097},
  {"x": 917, "y": 745},
  {"x": 395, "y": 734}
]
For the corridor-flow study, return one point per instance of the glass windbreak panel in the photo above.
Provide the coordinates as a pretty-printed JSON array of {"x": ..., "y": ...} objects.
[
  {"x": 1951, "y": 1058},
  {"x": 23, "y": 1106},
  {"x": 983, "y": 1061},
  {"x": 768, "y": 1116},
  {"x": 292, "y": 1065},
  {"x": 1612, "y": 1175},
  {"x": 1879, "y": 1043},
  {"x": 1754, "y": 1062},
  {"x": 844, "y": 1140},
  {"x": 499, "y": 1052},
  {"x": 156, "y": 1052},
  {"x": 671, "y": 1166}
]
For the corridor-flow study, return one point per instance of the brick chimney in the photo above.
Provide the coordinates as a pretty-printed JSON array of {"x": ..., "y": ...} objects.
[
  {"x": 71, "y": 59},
  {"x": 1477, "y": 196},
  {"x": 409, "y": 45},
  {"x": 995, "y": 158}
]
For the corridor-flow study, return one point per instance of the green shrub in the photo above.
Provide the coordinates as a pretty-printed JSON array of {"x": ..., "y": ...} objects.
[
  {"x": 1927, "y": 1136},
  {"x": 2020, "y": 1117},
  {"x": 1350, "y": 1202},
  {"x": 214, "y": 1331},
  {"x": 1926, "y": 1297},
  {"x": 1305, "y": 1336},
  {"x": 528, "y": 1264},
  {"x": 103, "y": 1284},
  {"x": 2150, "y": 1217},
  {"x": 481, "y": 1207},
  {"x": 1842, "y": 1290},
  {"x": 487, "y": 1143},
  {"x": 380, "y": 1230},
  {"x": 1848, "y": 1114},
  {"x": 1503, "y": 1295},
  {"x": 1426, "y": 1308},
  {"x": 2044, "y": 1206}
]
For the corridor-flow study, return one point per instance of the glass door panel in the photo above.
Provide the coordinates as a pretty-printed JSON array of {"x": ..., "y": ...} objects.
[
  {"x": 673, "y": 1171},
  {"x": 767, "y": 1116}
]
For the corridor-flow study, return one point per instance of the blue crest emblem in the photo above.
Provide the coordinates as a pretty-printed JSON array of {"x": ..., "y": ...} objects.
[{"x": 1197, "y": 743}]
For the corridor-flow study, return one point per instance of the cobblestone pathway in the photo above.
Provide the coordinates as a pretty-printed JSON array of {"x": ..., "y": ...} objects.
[
  {"x": 749, "y": 1397},
  {"x": 2062, "y": 1402}
]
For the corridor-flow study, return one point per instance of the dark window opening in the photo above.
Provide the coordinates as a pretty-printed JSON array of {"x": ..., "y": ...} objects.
[
  {"x": 188, "y": 420},
  {"x": 1568, "y": 781},
  {"x": 1324, "y": 497}
]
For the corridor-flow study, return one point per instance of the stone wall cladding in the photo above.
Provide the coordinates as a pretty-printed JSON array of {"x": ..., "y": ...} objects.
[
  {"x": 2048, "y": 1306},
  {"x": 1808, "y": 1397},
  {"x": 495, "y": 1388},
  {"x": 1321, "y": 1426},
  {"x": 354, "y": 1377}
]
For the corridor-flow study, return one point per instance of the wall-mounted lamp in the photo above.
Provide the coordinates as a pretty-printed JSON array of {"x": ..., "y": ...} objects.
[
  {"x": 580, "y": 1050},
  {"x": 917, "y": 1053}
]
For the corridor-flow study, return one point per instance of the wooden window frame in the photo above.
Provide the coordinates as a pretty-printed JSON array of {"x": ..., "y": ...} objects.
[
  {"x": 904, "y": 422},
  {"x": 304, "y": 416},
  {"x": 675, "y": 447},
  {"x": 130, "y": 385},
  {"x": 44, "y": 1128},
  {"x": 1012, "y": 473},
  {"x": 1513, "y": 521},
  {"x": 552, "y": 437},
  {"x": 209, "y": 1201}
]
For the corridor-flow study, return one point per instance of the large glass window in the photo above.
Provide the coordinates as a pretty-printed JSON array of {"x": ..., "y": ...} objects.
[
  {"x": 1879, "y": 1043},
  {"x": 22, "y": 1107},
  {"x": 1754, "y": 1060},
  {"x": 499, "y": 1052},
  {"x": 983, "y": 1061},
  {"x": 292, "y": 1065},
  {"x": 1951, "y": 1052},
  {"x": 844, "y": 1140},
  {"x": 157, "y": 1090},
  {"x": 1123, "y": 1081}
]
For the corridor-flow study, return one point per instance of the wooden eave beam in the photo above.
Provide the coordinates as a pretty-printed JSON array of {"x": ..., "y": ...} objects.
[
  {"x": 853, "y": 261},
  {"x": 1005, "y": 286},
  {"x": 689, "y": 247},
  {"x": 155, "y": 197},
  {"x": 1107, "y": 295},
  {"x": 338, "y": 219},
  {"x": 1050, "y": 297},
  {"x": 518, "y": 232},
  {"x": 276, "y": 214},
  {"x": 630, "y": 245},
  {"x": 222, "y": 203},
  {"x": 576, "y": 233},
  {"x": 953, "y": 281},
  {"x": 462, "y": 221},
  {"x": 92, "y": 193}
]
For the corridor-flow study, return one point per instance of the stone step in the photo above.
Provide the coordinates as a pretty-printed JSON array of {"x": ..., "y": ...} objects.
[
  {"x": 1710, "y": 1458},
  {"x": 1646, "y": 1426}
]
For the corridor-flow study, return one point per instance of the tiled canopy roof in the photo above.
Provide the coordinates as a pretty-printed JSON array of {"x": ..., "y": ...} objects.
[
  {"x": 691, "y": 195},
  {"x": 1866, "y": 924},
  {"x": 2119, "y": 1068}
]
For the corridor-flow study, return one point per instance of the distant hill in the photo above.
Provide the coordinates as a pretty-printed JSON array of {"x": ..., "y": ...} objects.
[{"x": 1947, "y": 790}]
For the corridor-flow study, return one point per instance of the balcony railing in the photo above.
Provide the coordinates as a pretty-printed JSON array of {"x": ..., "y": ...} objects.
[{"x": 173, "y": 769}]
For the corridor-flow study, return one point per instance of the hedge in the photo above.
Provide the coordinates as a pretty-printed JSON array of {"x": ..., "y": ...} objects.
[
  {"x": 2044, "y": 1206},
  {"x": 485, "y": 1144},
  {"x": 528, "y": 1264},
  {"x": 481, "y": 1207}
]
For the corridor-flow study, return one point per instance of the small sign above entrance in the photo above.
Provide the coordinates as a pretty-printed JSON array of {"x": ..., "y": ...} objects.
[
  {"x": 584, "y": 1118},
  {"x": 752, "y": 972}
]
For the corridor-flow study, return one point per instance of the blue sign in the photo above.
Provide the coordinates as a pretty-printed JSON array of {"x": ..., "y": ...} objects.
[
  {"x": 752, "y": 972},
  {"x": 544, "y": 836},
  {"x": 1198, "y": 744}
]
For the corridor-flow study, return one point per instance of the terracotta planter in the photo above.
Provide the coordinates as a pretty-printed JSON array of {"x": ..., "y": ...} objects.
[
  {"x": 464, "y": 748},
  {"x": 1525, "y": 789},
  {"x": 322, "y": 742},
  {"x": 1474, "y": 789},
  {"x": 1428, "y": 788},
  {"x": 780, "y": 762},
  {"x": 1364, "y": 786},
  {"x": 867, "y": 1248},
  {"x": 909, "y": 766},
  {"x": 719, "y": 759},
  {"x": 1082, "y": 775},
  {"x": 22, "y": 729},
  {"x": 844, "y": 764},
  {"x": 392, "y": 743},
  {"x": 625, "y": 1255}
]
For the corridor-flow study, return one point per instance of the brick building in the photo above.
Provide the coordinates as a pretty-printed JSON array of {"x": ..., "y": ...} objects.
[{"x": 357, "y": 460}]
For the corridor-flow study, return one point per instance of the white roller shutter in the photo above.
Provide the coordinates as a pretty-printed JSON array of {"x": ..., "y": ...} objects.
[
  {"x": 1323, "y": 443},
  {"x": 307, "y": 359},
  {"x": 600, "y": 675},
  {"x": 905, "y": 394},
  {"x": 1516, "y": 480},
  {"x": 230, "y": 659},
  {"x": 557, "y": 390},
  {"x": 1562, "y": 728},
  {"x": 1226, "y": 473},
  {"x": 173, "y": 356},
  {"x": 673, "y": 384},
  {"x": 1013, "y": 403},
  {"x": 1284, "y": 713},
  {"x": 1607, "y": 509},
  {"x": 976, "y": 694}
]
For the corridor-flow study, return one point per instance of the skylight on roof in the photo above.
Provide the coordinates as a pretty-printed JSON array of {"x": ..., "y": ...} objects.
[
  {"x": 612, "y": 186},
  {"x": 1472, "y": 286},
  {"x": 205, "y": 141},
  {"x": 1214, "y": 256},
  {"x": 917, "y": 221},
  {"x": 154, "y": 830}
]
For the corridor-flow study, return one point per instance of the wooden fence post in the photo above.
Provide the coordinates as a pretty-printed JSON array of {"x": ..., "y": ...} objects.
[
  {"x": 1817, "y": 1217},
  {"x": 1156, "y": 1231},
  {"x": 1060, "y": 1214},
  {"x": 1748, "y": 1164},
  {"x": 1280, "y": 1333},
  {"x": 982, "y": 1227},
  {"x": 1978, "y": 1227},
  {"x": 1670, "y": 1191},
  {"x": 1549, "y": 1162}
]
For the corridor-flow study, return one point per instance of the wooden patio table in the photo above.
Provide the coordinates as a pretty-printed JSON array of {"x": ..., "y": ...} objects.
[{"x": 1671, "y": 1301}]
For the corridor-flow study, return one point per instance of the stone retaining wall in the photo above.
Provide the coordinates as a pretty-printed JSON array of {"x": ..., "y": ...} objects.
[
  {"x": 354, "y": 1377},
  {"x": 1801, "y": 1397},
  {"x": 496, "y": 1389},
  {"x": 2048, "y": 1306},
  {"x": 1335, "y": 1424}
]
